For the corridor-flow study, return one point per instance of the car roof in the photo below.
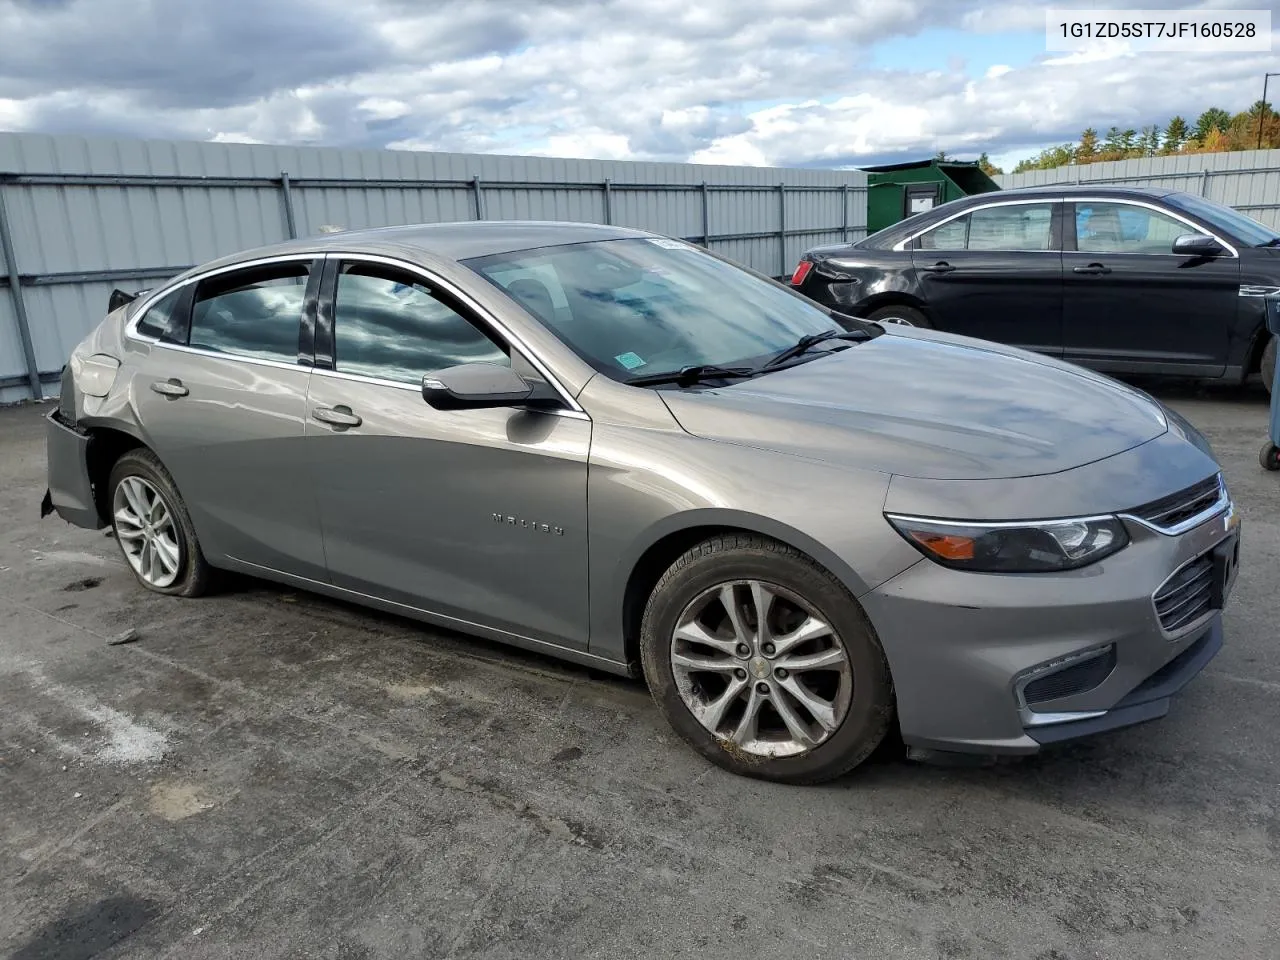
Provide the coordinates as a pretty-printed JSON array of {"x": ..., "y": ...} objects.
[
  {"x": 443, "y": 241},
  {"x": 1074, "y": 189}
]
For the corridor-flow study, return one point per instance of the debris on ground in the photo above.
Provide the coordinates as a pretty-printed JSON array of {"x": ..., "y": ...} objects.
[{"x": 128, "y": 636}]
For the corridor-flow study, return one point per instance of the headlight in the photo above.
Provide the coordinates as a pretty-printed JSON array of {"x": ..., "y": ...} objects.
[
  {"x": 1033, "y": 546},
  {"x": 94, "y": 375}
]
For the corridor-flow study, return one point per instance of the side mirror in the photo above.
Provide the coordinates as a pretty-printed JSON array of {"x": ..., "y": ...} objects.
[
  {"x": 1197, "y": 245},
  {"x": 473, "y": 386}
]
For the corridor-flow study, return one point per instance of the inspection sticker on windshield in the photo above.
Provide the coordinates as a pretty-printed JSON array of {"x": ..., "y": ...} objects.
[
  {"x": 629, "y": 360},
  {"x": 668, "y": 244}
]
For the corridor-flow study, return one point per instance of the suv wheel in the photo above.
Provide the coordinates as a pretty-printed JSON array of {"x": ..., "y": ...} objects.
[
  {"x": 153, "y": 528},
  {"x": 764, "y": 662}
]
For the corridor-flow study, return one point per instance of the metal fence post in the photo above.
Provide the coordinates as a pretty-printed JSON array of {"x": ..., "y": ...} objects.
[
  {"x": 782, "y": 229},
  {"x": 290, "y": 223},
  {"x": 844, "y": 228},
  {"x": 608, "y": 201},
  {"x": 706, "y": 215},
  {"x": 475, "y": 186},
  {"x": 1204, "y": 181},
  {"x": 19, "y": 305}
]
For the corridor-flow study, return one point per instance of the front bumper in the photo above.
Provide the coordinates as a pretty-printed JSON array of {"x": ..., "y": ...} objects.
[
  {"x": 70, "y": 491},
  {"x": 963, "y": 647}
]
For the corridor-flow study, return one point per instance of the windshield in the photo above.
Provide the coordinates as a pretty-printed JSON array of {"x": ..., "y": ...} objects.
[
  {"x": 645, "y": 306},
  {"x": 1245, "y": 229}
]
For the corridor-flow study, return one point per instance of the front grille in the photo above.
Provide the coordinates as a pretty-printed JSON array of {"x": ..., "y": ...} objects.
[
  {"x": 1187, "y": 595},
  {"x": 1168, "y": 512},
  {"x": 1077, "y": 678}
]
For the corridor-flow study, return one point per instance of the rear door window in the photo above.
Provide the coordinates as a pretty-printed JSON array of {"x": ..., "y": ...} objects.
[{"x": 252, "y": 313}]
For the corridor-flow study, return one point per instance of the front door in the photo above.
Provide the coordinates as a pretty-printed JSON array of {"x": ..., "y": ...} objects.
[
  {"x": 222, "y": 398},
  {"x": 995, "y": 273},
  {"x": 478, "y": 515},
  {"x": 1131, "y": 305}
]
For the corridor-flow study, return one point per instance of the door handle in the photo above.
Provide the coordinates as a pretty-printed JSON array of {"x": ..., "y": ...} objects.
[
  {"x": 1092, "y": 269},
  {"x": 340, "y": 416},
  {"x": 940, "y": 267},
  {"x": 171, "y": 388}
]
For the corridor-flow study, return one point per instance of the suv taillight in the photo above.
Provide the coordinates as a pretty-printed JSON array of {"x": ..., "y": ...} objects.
[{"x": 802, "y": 271}]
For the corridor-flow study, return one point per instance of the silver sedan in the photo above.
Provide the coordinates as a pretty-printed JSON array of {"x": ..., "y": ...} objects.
[{"x": 802, "y": 529}]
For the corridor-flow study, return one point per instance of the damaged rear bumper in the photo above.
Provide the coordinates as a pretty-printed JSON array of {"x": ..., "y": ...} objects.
[{"x": 70, "y": 492}]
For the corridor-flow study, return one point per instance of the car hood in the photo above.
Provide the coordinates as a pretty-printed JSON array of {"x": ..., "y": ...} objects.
[{"x": 924, "y": 404}]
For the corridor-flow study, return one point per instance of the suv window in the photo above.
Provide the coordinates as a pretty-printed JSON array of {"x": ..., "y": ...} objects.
[
  {"x": 1013, "y": 226},
  {"x": 252, "y": 313},
  {"x": 165, "y": 320},
  {"x": 1125, "y": 228},
  {"x": 389, "y": 325}
]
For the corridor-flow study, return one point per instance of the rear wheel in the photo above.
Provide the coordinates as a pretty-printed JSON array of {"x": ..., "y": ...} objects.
[
  {"x": 1269, "y": 456},
  {"x": 1268, "y": 366},
  {"x": 153, "y": 528},
  {"x": 764, "y": 663},
  {"x": 900, "y": 314}
]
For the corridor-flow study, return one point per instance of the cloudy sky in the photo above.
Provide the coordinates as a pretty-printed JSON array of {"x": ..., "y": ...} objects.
[{"x": 787, "y": 82}]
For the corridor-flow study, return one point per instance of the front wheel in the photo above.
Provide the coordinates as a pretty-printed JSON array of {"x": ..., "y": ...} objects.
[
  {"x": 764, "y": 663},
  {"x": 153, "y": 528}
]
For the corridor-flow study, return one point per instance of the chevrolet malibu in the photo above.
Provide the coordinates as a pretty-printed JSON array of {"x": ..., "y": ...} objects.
[{"x": 802, "y": 529}]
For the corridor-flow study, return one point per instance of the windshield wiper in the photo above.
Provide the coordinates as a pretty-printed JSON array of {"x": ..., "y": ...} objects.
[
  {"x": 695, "y": 373},
  {"x": 1273, "y": 242},
  {"x": 811, "y": 340}
]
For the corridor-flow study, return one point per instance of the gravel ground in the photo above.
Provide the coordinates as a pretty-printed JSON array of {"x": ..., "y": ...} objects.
[{"x": 267, "y": 773}]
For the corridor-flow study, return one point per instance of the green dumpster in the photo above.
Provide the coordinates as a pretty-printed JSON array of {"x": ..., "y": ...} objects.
[{"x": 895, "y": 191}]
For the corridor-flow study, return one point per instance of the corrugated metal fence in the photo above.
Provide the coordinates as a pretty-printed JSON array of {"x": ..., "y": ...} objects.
[
  {"x": 80, "y": 216},
  {"x": 1248, "y": 180}
]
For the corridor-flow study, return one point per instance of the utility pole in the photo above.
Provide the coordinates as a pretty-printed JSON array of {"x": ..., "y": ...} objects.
[{"x": 1262, "y": 110}]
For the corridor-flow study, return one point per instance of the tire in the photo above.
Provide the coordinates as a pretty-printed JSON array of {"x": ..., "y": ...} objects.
[
  {"x": 135, "y": 477},
  {"x": 861, "y": 690},
  {"x": 901, "y": 314},
  {"x": 1268, "y": 365},
  {"x": 1269, "y": 456}
]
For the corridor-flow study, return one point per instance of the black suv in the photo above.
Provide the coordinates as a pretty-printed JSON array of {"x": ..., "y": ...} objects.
[{"x": 1124, "y": 280}]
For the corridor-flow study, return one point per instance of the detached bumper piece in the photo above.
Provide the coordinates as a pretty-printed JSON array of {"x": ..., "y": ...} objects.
[
  {"x": 70, "y": 491},
  {"x": 1148, "y": 701}
]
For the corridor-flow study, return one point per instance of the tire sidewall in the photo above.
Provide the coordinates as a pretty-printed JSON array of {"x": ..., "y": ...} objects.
[
  {"x": 912, "y": 315},
  {"x": 870, "y": 711},
  {"x": 133, "y": 464}
]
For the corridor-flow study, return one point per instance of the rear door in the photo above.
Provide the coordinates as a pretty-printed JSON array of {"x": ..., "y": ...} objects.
[
  {"x": 996, "y": 273},
  {"x": 476, "y": 515},
  {"x": 222, "y": 398},
  {"x": 1131, "y": 305}
]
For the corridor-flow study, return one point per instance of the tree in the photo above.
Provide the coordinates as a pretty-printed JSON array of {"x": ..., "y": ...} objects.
[
  {"x": 1260, "y": 106},
  {"x": 1128, "y": 141},
  {"x": 987, "y": 167},
  {"x": 1087, "y": 150},
  {"x": 941, "y": 155},
  {"x": 1150, "y": 142},
  {"x": 1175, "y": 135},
  {"x": 1215, "y": 118}
]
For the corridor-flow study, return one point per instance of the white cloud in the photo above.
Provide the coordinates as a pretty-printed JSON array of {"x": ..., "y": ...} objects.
[{"x": 718, "y": 81}]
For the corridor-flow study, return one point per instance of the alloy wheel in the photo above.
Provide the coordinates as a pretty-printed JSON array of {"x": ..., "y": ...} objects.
[
  {"x": 146, "y": 531},
  {"x": 761, "y": 669}
]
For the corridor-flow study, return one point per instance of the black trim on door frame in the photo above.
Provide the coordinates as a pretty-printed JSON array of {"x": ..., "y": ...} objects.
[
  {"x": 307, "y": 322},
  {"x": 324, "y": 355}
]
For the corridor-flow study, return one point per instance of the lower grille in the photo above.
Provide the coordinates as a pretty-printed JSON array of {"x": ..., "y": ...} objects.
[
  {"x": 1187, "y": 595},
  {"x": 1077, "y": 678}
]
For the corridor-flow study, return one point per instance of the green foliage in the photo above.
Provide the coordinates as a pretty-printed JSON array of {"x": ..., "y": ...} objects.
[{"x": 1215, "y": 130}]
